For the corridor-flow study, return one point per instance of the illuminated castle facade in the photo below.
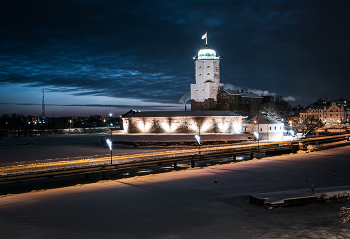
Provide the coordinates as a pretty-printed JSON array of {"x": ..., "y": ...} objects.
[
  {"x": 213, "y": 108},
  {"x": 207, "y": 76},
  {"x": 209, "y": 94}
]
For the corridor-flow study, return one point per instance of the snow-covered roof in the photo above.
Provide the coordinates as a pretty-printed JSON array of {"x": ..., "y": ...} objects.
[
  {"x": 179, "y": 114},
  {"x": 263, "y": 119},
  {"x": 243, "y": 94}
]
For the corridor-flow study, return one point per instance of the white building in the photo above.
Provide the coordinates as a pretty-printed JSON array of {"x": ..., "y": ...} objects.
[
  {"x": 182, "y": 122},
  {"x": 207, "y": 76},
  {"x": 264, "y": 127},
  {"x": 329, "y": 113}
]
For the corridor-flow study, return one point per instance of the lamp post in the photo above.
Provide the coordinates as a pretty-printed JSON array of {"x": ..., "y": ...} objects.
[
  {"x": 258, "y": 136},
  {"x": 339, "y": 127},
  {"x": 109, "y": 142},
  {"x": 110, "y": 120},
  {"x": 198, "y": 138},
  {"x": 70, "y": 125},
  {"x": 291, "y": 128}
]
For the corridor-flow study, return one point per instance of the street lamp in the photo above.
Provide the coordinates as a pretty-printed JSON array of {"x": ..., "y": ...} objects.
[
  {"x": 70, "y": 125},
  {"x": 257, "y": 134},
  {"x": 109, "y": 142},
  {"x": 198, "y": 138},
  {"x": 291, "y": 128},
  {"x": 110, "y": 120},
  {"x": 339, "y": 127}
]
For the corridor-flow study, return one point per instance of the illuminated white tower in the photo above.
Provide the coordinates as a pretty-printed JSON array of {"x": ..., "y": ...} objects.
[{"x": 207, "y": 75}]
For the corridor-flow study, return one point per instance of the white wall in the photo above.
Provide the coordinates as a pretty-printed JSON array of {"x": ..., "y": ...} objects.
[{"x": 206, "y": 70}]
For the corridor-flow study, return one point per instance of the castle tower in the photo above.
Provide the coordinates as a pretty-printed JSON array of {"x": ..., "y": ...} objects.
[{"x": 207, "y": 75}]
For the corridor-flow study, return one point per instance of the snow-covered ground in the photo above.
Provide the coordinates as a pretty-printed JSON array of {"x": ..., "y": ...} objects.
[
  {"x": 187, "y": 203},
  {"x": 63, "y": 146}
]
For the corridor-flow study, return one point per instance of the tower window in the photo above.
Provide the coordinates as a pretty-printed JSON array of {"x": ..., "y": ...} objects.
[
  {"x": 208, "y": 73},
  {"x": 200, "y": 74},
  {"x": 199, "y": 67},
  {"x": 208, "y": 66}
]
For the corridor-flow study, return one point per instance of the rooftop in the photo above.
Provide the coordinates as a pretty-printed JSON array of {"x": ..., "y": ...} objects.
[
  {"x": 263, "y": 119},
  {"x": 179, "y": 114},
  {"x": 243, "y": 94}
]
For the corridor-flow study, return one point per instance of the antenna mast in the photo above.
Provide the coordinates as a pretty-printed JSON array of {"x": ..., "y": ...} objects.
[{"x": 43, "y": 107}]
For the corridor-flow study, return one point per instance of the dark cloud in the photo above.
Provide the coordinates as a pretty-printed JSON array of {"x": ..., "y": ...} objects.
[{"x": 144, "y": 49}]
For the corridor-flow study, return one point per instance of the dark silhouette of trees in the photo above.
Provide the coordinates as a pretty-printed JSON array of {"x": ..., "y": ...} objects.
[
  {"x": 278, "y": 108},
  {"x": 311, "y": 123}
]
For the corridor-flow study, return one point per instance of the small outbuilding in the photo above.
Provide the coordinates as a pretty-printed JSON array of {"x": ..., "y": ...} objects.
[{"x": 264, "y": 127}]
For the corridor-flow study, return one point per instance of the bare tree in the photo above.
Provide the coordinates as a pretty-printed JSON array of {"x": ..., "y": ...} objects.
[{"x": 311, "y": 123}]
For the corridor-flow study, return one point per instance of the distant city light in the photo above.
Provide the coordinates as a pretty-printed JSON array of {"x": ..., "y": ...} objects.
[{"x": 239, "y": 158}]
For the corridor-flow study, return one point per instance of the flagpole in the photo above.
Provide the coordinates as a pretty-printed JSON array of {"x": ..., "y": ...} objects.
[{"x": 206, "y": 38}]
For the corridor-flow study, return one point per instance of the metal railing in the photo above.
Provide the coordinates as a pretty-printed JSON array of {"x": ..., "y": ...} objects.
[{"x": 64, "y": 164}]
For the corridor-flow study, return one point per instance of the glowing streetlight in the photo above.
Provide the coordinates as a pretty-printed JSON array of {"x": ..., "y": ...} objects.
[
  {"x": 257, "y": 133},
  {"x": 110, "y": 120},
  {"x": 70, "y": 125},
  {"x": 109, "y": 142},
  {"x": 198, "y": 138}
]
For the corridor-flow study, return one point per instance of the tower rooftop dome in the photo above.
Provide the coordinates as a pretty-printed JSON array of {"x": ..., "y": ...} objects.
[
  {"x": 207, "y": 53},
  {"x": 265, "y": 93}
]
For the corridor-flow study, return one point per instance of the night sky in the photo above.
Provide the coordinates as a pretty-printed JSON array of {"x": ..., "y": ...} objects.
[{"x": 93, "y": 57}]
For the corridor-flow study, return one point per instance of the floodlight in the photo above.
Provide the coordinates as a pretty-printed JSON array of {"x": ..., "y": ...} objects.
[
  {"x": 198, "y": 138},
  {"x": 109, "y": 142}
]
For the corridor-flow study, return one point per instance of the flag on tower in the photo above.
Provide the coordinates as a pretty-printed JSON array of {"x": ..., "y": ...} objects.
[{"x": 204, "y": 36}]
